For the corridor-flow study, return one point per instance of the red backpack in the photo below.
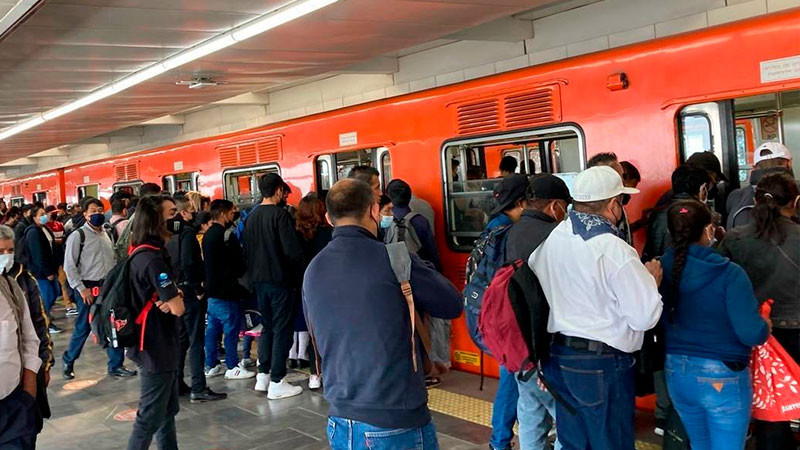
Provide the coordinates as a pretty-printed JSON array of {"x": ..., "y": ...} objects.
[{"x": 498, "y": 323}]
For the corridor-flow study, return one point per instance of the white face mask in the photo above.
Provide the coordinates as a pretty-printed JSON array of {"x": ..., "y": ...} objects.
[{"x": 6, "y": 261}]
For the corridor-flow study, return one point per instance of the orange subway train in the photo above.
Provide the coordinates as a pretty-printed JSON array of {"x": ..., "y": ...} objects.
[{"x": 723, "y": 89}]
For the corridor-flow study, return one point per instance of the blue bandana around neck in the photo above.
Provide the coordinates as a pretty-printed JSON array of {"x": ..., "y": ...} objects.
[{"x": 588, "y": 226}]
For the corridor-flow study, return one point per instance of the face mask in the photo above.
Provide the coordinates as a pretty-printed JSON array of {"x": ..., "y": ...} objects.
[
  {"x": 386, "y": 221},
  {"x": 43, "y": 219},
  {"x": 97, "y": 219},
  {"x": 6, "y": 261},
  {"x": 174, "y": 225}
]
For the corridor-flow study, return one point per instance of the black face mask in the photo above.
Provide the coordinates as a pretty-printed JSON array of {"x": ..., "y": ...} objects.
[{"x": 174, "y": 225}]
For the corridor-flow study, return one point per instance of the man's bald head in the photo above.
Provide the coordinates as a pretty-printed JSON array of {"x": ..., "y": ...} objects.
[{"x": 349, "y": 199}]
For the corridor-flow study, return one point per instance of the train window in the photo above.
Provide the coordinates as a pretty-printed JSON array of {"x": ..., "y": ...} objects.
[
  {"x": 131, "y": 187},
  {"x": 241, "y": 185},
  {"x": 696, "y": 134},
  {"x": 90, "y": 190},
  {"x": 336, "y": 166},
  {"x": 40, "y": 197},
  {"x": 184, "y": 182},
  {"x": 17, "y": 201},
  {"x": 471, "y": 168}
]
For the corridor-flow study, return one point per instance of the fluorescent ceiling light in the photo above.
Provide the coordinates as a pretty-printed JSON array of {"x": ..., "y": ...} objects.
[{"x": 256, "y": 26}]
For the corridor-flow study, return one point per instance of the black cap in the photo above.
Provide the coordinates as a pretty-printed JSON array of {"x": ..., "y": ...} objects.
[
  {"x": 548, "y": 187},
  {"x": 708, "y": 161},
  {"x": 509, "y": 191}
]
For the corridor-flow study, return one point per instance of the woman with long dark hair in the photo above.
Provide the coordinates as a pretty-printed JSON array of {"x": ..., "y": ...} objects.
[
  {"x": 159, "y": 353},
  {"x": 711, "y": 323},
  {"x": 314, "y": 233},
  {"x": 769, "y": 251}
]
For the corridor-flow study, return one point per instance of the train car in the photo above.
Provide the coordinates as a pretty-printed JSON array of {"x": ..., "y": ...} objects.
[
  {"x": 723, "y": 90},
  {"x": 46, "y": 187}
]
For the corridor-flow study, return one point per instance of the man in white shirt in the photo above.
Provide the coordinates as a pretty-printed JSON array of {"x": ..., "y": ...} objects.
[
  {"x": 19, "y": 364},
  {"x": 602, "y": 299}
]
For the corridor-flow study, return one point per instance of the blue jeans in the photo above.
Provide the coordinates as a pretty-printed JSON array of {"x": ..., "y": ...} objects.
[
  {"x": 223, "y": 317},
  {"x": 504, "y": 411},
  {"x": 116, "y": 356},
  {"x": 599, "y": 385},
  {"x": 714, "y": 402},
  {"x": 346, "y": 434},
  {"x": 536, "y": 411},
  {"x": 49, "y": 290}
]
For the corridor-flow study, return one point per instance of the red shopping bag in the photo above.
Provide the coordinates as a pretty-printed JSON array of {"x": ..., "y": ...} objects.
[{"x": 776, "y": 380}]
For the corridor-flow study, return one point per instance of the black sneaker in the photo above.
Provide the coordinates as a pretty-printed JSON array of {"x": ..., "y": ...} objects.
[
  {"x": 184, "y": 389},
  {"x": 293, "y": 363},
  {"x": 71, "y": 312},
  {"x": 68, "y": 372},
  {"x": 303, "y": 363},
  {"x": 121, "y": 372},
  {"x": 207, "y": 395},
  {"x": 54, "y": 329}
]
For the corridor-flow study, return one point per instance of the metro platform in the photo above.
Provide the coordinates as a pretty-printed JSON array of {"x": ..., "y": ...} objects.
[{"x": 94, "y": 411}]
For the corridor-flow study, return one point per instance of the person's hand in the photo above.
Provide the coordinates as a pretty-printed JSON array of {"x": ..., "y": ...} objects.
[
  {"x": 769, "y": 324},
  {"x": 176, "y": 306},
  {"x": 164, "y": 307},
  {"x": 86, "y": 295},
  {"x": 51, "y": 278},
  {"x": 29, "y": 382},
  {"x": 654, "y": 267},
  {"x": 719, "y": 233}
]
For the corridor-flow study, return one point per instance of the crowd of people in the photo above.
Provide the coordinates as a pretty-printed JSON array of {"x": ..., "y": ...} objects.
[{"x": 351, "y": 287}]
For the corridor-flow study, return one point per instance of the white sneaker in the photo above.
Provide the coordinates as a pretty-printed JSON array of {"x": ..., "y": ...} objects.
[
  {"x": 314, "y": 382},
  {"x": 262, "y": 382},
  {"x": 215, "y": 371},
  {"x": 246, "y": 363},
  {"x": 658, "y": 431},
  {"x": 283, "y": 390},
  {"x": 238, "y": 373}
]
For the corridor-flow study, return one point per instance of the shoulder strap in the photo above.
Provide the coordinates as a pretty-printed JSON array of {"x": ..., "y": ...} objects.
[
  {"x": 400, "y": 259},
  {"x": 736, "y": 214},
  {"x": 82, "y": 235}
]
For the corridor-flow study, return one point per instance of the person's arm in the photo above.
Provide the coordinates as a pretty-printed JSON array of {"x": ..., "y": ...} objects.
[
  {"x": 636, "y": 290},
  {"x": 290, "y": 243},
  {"x": 31, "y": 362},
  {"x": 433, "y": 293},
  {"x": 193, "y": 269},
  {"x": 429, "y": 251},
  {"x": 34, "y": 249},
  {"x": 169, "y": 297},
  {"x": 38, "y": 317},
  {"x": 72, "y": 248},
  {"x": 742, "y": 307}
]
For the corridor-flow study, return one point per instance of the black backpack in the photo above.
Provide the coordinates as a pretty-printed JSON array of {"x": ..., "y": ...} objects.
[{"x": 115, "y": 320}]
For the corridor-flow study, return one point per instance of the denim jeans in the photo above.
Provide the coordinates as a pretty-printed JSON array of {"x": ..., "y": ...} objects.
[
  {"x": 223, "y": 317},
  {"x": 599, "y": 385},
  {"x": 276, "y": 305},
  {"x": 713, "y": 401},
  {"x": 49, "y": 290},
  {"x": 536, "y": 411},
  {"x": 81, "y": 331},
  {"x": 504, "y": 411},
  {"x": 346, "y": 434}
]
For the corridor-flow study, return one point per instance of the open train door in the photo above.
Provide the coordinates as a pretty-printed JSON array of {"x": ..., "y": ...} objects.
[{"x": 710, "y": 127}]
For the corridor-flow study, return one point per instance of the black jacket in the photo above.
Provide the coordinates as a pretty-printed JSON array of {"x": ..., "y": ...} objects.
[
  {"x": 745, "y": 197},
  {"x": 657, "y": 230},
  {"x": 311, "y": 247},
  {"x": 40, "y": 256},
  {"x": 224, "y": 264},
  {"x": 772, "y": 269},
  {"x": 273, "y": 250},
  {"x": 523, "y": 238},
  {"x": 186, "y": 260},
  {"x": 29, "y": 286},
  {"x": 19, "y": 236}
]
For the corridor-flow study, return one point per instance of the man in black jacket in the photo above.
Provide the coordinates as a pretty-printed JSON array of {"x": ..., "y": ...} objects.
[
  {"x": 275, "y": 264},
  {"x": 20, "y": 227},
  {"x": 186, "y": 260},
  {"x": 224, "y": 264}
]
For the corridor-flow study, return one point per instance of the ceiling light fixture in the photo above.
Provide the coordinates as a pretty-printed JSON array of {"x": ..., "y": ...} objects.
[{"x": 256, "y": 26}]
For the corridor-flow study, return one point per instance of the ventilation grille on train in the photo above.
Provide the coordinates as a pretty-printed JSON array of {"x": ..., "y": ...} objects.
[
  {"x": 16, "y": 190},
  {"x": 519, "y": 110},
  {"x": 250, "y": 152},
  {"x": 126, "y": 172}
]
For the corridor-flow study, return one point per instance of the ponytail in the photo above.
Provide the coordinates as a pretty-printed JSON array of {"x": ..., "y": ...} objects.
[
  {"x": 686, "y": 221},
  {"x": 773, "y": 193}
]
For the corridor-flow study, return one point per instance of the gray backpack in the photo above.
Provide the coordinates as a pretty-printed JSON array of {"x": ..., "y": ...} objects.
[
  {"x": 401, "y": 230},
  {"x": 123, "y": 241}
]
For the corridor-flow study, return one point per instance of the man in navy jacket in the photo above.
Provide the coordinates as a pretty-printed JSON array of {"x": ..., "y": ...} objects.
[{"x": 360, "y": 319}]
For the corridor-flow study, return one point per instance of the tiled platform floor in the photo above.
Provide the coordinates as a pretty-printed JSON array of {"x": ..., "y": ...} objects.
[{"x": 99, "y": 416}]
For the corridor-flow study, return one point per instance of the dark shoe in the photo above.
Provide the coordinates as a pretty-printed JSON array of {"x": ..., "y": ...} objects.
[
  {"x": 303, "y": 363},
  {"x": 121, "y": 372},
  {"x": 68, "y": 372},
  {"x": 54, "y": 329},
  {"x": 184, "y": 389},
  {"x": 293, "y": 364},
  {"x": 206, "y": 396},
  {"x": 432, "y": 382}
]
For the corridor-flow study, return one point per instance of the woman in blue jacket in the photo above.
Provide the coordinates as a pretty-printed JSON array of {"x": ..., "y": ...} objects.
[{"x": 711, "y": 323}]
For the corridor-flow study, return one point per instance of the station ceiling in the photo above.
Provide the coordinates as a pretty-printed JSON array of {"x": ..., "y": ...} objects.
[{"x": 64, "y": 49}]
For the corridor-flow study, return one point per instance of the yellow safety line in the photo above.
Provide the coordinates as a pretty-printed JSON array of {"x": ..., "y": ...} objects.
[{"x": 478, "y": 411}]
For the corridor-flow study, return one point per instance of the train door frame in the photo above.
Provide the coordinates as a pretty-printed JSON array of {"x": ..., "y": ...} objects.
[
  {"x": 83, "y": 187},
  {"x": 722, "y": 140},
  {"x": 173, "y": 178},
  {"x": 42, "y": 197},
  {"x": 549, "y": 160},
  {"x": 378, "y": 153},
  {"x": 253, "y": 181},
  {"x": 135, "y": 185},
  {"x": 16, "y": 201}
]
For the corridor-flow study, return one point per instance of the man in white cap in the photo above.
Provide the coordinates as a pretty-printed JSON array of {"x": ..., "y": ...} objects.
[
  {"x": 602, "y": 299},
  {"x": 769, "y": 158}
]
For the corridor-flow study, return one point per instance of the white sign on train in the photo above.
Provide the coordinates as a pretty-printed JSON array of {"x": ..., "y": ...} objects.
[
  {"x": 348, "y": 139},
  {"x": 177, "y": 165},
  {"x": 780, "y": 69},
  {"x": 86, "y": 179}
]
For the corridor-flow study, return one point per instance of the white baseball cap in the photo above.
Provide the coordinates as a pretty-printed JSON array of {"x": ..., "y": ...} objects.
[
  {"x": 771, "y": 150},
  {"x": 599, "y": 183}
]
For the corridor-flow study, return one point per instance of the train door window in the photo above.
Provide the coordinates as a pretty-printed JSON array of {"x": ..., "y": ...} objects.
[
  {"x": 385, "y": 167},
  {"x": 471, "y": 168},
  {"x": 696, "y": 134},
  {"x": 241, "y": 185},
  {"x": 90, "y": 190},
  {"x": 131, "y": 187},
  {"x": 336, "y": 166},
  {"x": 180, "y": 182},
  {"x": 17, "y": 201},
  {"x": 40, "y": 197},
  {"x": 168, "y": 183}
]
